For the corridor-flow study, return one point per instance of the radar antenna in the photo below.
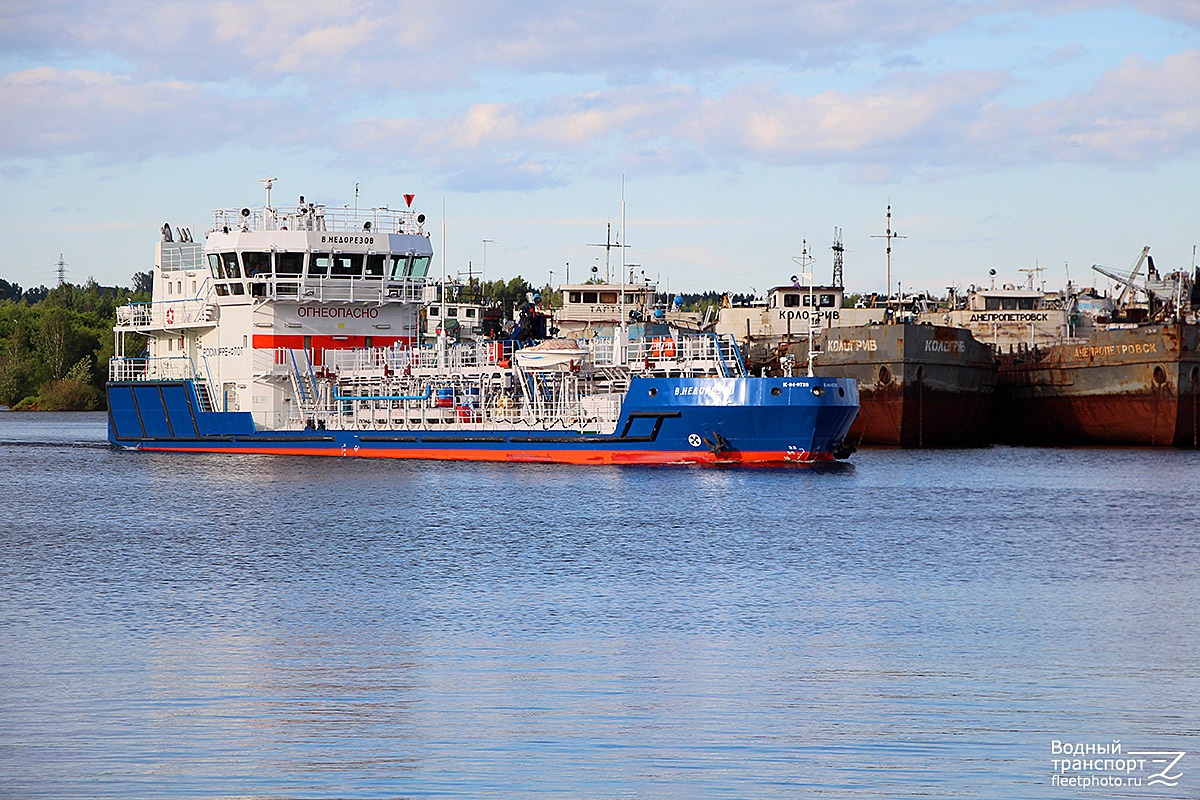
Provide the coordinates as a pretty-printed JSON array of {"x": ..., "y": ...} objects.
[{"x": 267, "y": 184}]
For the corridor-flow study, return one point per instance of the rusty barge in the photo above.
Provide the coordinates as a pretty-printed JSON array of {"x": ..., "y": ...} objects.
[
  {"x": 1080, "y": 368},
  {"x": 1135, "y": 385},
  {"x": 1007, "y": 364},
  {"x": 919, "y": 385},
  {"x": 1130, "y": 379}
]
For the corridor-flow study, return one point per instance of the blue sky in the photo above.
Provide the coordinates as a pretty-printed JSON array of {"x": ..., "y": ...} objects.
[{"x": 1006, "y": 134}]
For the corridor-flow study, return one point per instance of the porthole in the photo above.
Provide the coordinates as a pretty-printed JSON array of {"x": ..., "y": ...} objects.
[
  {"x": 819, "y": 391},
  {"x": 776, "y": 391},
  {"x": 1160, "y": 375},
  {"x": 885, "y": 374},
  {"x": 653, "y": 392}
]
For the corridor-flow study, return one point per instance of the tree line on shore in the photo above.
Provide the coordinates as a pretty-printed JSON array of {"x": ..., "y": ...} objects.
[{"x": 55, "y": 343}]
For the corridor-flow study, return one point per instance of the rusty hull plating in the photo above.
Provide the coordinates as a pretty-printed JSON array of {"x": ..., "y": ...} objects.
[{"x": 1134, "y": 386}]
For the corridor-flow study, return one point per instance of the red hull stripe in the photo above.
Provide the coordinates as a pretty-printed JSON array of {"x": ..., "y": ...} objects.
[
  {"x": 524, "y": 456},
  {"x": 271, "y": 341}
]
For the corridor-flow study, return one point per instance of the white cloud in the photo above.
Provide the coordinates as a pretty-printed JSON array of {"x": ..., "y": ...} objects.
[
  {"x": 52, "y": 112},
  {"x": 359, "y": 77},
  {"x": 1142, "y": 112}
]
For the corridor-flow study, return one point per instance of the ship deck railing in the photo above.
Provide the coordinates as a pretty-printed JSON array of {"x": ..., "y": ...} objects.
[
  {"x": 689, "y": 354},
  {"x": 317, "y": 217},
  {"x": 171, "y": 368},
  {"x": 458, "y": 402},
  {"x": 326, "y": 289},
  {"x": 699, "y": 354},
  {"x": 163, "y": 314}
]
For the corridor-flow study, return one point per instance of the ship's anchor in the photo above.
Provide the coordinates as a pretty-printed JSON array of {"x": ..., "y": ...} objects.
[{"x": 717, "y": 444}]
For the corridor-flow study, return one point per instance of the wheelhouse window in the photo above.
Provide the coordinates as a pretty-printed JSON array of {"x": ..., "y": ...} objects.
[
  {"x": 822, "y": 300},
  {"x": 318, "y": 265},
  {"x": 377, "y": 265},
  {"x": 257, "y": 264},
  {"x": 420, "y": 266},
  {"x": 214, "y": 264},
  {"x": 590, "y": 298},
  {"x": 230, "y": 262},
  {"x": 395, "y": 266},
  {"x": 347, "y": 265},
  {"x": 574, "y": 297},
  {"x": 608, "y": 297},
  {"x": 793, "y": 300},
  {"x": 1008, "y": 303},
  {"x": 289, "y": 263}
]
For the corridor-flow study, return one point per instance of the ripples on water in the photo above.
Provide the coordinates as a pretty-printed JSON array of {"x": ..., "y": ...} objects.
[{"x": 917, "y": 624}]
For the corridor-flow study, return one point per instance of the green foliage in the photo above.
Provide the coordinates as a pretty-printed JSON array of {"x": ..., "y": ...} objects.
[
  {"x": 507, "y": 294},
  {"x": 55, "y": 345}
]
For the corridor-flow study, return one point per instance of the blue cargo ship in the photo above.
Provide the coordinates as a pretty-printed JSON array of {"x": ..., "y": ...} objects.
[{"x": 295, "y": 331}]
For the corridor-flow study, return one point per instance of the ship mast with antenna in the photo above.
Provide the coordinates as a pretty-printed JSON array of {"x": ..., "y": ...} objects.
[
  {"x": 805, "y": 261},
  {"x": 889, "y": 235},
  {"x": 837, "y": 257},
  {"x": 608, "y": 246}
]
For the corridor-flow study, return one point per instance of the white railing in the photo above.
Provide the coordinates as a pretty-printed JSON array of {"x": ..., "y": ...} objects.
[
  {"x": 454, "y": 358},
  {"x": 175, "y": 368},
  {"x": 315, "y": 217},
  {"x": 703, "y": 353},
  {"x": 375, "y": 290},
  {"x": 164, "y": 314}
]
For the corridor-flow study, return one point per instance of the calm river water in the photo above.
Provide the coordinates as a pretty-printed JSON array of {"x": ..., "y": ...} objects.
[{"x": 916, "y": 624}]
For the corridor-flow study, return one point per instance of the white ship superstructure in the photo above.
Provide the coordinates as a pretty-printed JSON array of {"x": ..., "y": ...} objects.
[{"x": 251, "y": 313}]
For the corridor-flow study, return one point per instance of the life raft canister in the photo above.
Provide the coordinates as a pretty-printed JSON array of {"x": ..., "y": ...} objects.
[{"x": 662, "y": 347}]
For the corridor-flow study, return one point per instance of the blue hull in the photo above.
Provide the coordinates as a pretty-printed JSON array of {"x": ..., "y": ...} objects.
[{"x": 663, "y": 420}]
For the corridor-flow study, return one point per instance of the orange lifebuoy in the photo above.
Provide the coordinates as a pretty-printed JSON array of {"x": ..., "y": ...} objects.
[
  {"x": 170, "y": 316},
  {"x": 662, "y": 347}
]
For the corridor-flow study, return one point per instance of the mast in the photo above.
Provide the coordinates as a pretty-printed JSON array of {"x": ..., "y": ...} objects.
[
  {"x": 889, "y": 235},
  {"x": 805, "y": 261},
  {"x": 609, "y": 244},
  {"x": 837, "y": 257},
  {"x": 624, "y": 318}
]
